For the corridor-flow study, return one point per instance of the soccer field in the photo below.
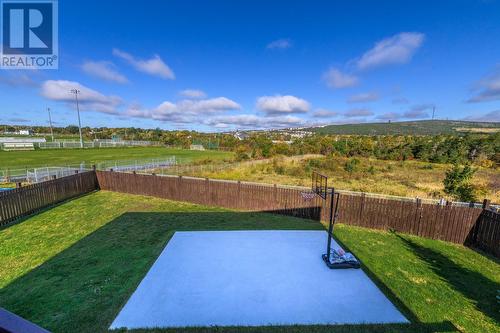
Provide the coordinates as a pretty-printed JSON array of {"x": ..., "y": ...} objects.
[{"x": 61, "y": 157}]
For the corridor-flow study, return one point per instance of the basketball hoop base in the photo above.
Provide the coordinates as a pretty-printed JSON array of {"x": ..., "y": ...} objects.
[{"x": 340, "y": 264}]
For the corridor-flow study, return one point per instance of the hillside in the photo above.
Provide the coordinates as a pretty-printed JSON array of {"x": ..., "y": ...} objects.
[{"x": 421, "y": 127}]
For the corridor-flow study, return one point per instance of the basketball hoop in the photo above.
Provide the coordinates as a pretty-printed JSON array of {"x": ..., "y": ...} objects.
[{"x": 308, "y": 196}]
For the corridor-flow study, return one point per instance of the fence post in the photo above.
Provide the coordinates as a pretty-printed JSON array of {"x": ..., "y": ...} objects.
[
  {"x": 238, "y": 197},
  {"x": 418, "y": 215},
  {"x": 360, "y": 218},
  {"x": 486, "y": 204},
  {"x": 93, "y": 167},
  {"x": 477, "y": 225},
  {"x": 208, "y": 194}
]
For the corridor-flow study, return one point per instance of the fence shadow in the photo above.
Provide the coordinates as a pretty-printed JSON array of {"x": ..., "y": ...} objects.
[
  {"x": 484, "y": 236},
  {"x": 473, "y": 285},
  {"x": 83, "y": 288}
]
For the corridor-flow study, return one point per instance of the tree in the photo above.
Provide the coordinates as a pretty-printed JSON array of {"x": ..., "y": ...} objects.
[
  {"x": 457, "y": 183},
  {"x": 72, "y": 129}
]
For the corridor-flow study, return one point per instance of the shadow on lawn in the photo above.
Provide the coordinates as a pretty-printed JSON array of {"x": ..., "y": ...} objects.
[
  {"x": 473, "y": 285},
  {"x": 83, "y": 288}
]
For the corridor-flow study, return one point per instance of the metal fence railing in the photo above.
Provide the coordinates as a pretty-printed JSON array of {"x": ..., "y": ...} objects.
[
  {"x": 65, "y": 144},
  {"x": 40, "y": 174},
  {"x": 137, "y": 165}
]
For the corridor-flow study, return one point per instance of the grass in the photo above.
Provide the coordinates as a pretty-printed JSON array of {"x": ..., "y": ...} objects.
[
  {"x": 61, "y": 157},
  {"x": 71, "y": 268},
  {"x": 400, "y": 178}
]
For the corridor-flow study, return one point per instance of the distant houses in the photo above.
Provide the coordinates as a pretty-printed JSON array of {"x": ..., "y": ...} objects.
[{"x": 241, "y": 135}]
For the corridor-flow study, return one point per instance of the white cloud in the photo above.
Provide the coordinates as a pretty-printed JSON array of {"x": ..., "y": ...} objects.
[
  {"x": 274, "y": 105},
  {"x": 104, "y": 70},
  {"x": 389, "y": 116},
  {"x": 185, "y": 111},
  {"x": 324, "y": 113},
  {"x": 255, "y": 122},
  {"x": 90, "y": 100},
  {"x": 193, "y": 93},
  {"x": 284, "y": 43},
  {"x": 363, "y": 98},
  {"x": 418, "y": 111},
  {"x": 398, "y": 49},
  {"x": 489, "y": 88},
  {"x": 208, "y": 105},
  {"x": 493, "y": 116},
  {"x": 358, "y": 113},
  {"x": 335, "y": 79},
  {"x": 154, "y": 66}
]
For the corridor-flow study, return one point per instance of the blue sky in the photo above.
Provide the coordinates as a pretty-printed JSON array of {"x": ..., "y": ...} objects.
[{"x": 221, "y": 65}]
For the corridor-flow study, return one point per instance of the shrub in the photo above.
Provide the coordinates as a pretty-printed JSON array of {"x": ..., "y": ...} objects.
[
  {"x": 457, "y": 183},
  {"x": 314, "y": 163},
  {"x": 241, "y": 154},
  {"x": 351, "y": 165}
]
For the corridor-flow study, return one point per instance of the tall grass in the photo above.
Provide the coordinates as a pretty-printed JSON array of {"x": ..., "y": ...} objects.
[{"x": 401, "y": 178}]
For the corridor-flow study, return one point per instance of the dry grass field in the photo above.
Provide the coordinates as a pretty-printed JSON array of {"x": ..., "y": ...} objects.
[{"x": 401, "y": 178}]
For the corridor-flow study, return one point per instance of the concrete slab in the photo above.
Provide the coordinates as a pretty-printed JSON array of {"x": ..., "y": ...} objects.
[{"x": 252, "y": 278}]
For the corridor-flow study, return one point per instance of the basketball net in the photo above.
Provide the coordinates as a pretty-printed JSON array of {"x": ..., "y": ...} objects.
[{"x": 308, "y": 196}]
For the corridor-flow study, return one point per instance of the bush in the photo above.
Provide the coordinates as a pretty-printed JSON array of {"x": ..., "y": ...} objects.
[
  {"x": 241, "y": 154},
  {"x": 314, "y": 163},
  {"x": 457, "y": 183},
  {"x": 351, "y": 165}
]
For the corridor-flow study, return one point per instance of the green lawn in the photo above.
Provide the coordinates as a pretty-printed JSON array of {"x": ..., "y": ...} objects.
[
  {"x": 61, "y": 157},
  {"x": 71, "y": 268}
]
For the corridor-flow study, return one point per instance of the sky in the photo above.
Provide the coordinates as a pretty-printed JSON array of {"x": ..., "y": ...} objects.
[{"x": 226, "y": 65}]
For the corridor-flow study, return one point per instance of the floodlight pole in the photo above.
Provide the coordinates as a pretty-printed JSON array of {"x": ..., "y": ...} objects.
[
  {"x": 50, "y": 122},
  {"x": 76, "y": 92}
]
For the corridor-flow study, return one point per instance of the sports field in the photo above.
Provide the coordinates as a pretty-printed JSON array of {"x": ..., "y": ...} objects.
[{"x": 61, "y": 157}]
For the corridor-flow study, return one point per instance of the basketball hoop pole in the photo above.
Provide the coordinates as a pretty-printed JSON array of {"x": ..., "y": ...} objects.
[{"x": 333, "y": 216}]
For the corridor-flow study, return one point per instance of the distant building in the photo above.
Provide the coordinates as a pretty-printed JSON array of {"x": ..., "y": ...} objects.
[
  {"x": 25, "y": 132},
  {"x": 20, "y": 140},
  {"x": 241, "y": 135}
]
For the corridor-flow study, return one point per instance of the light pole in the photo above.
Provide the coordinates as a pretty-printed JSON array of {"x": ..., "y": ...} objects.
[
  {"x": 76, "y": 92},
  {"x": 50, "y": 122}
]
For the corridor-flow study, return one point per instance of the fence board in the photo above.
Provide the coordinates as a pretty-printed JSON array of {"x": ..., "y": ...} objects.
[
  {"x": 27, "y": 200},
  {"x": 474, "y": 226},
  {"x": 448, "y": 223}
]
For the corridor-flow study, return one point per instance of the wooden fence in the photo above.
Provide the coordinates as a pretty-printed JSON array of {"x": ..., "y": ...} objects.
[
  {"x": 236, "y": 195},
  {"x": 463, "y": 225},
  {"x": 485, "y": 234},
  {"x": 449, "y": 223},
  {"x": 28, "y": 199}
]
